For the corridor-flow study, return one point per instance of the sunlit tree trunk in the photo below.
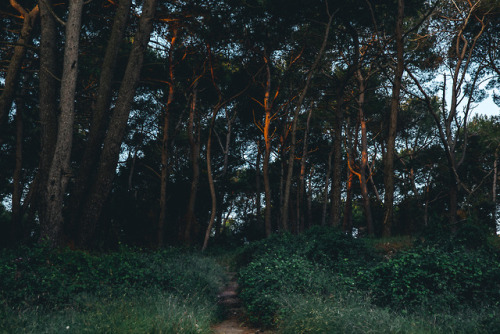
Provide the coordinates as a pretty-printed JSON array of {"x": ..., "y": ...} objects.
[
  {"x": 391, "y": 136},
  {"x": 11, "y": 77},
  {"x": 60, "y": 171},
  {"x": 267, "y": 151}
]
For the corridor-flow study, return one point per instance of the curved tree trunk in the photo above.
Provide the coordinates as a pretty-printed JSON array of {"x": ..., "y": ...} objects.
[{"x": 8, "y": 92}]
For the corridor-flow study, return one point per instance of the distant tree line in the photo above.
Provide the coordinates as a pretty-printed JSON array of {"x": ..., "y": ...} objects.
[{"x": 182, "y": 122}]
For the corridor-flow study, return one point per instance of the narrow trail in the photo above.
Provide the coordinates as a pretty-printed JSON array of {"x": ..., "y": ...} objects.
[{"x": 235, "y": 321}]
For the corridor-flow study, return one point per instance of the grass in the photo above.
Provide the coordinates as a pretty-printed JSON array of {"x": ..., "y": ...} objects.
[
  {"x": 322, "y": 282},
  {"x": 130, "y": 291},
  {"x": 354, "y": 313},
  {"x": 151, "y": 313}
]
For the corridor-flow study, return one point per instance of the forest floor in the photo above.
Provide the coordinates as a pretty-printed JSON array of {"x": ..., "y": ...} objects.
[{"x": 235, "y": 322}]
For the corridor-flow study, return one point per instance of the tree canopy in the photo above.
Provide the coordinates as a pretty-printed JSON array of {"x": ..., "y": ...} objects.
[{"x": 187, "y": 122}]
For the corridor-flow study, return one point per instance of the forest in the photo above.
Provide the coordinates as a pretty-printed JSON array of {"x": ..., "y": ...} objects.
[
  {"x": 335, "y": 155},
  {"x": 179, "y": 122}
]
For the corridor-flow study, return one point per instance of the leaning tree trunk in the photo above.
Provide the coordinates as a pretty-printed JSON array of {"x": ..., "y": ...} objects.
[
  {"x": 393, "y": 118},
  {"x": 16, "y": 61},
  {"x": 108, "y": 161},
  {"x": 100, "y": 113},
  {"x": 59, "y": 174}
]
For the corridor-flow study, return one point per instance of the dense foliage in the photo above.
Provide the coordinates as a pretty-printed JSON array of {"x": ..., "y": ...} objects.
[
  {"x": 190, "y": 122},
  {"x": 283, "y": 285},
  {"x": 44, "y": 290}
]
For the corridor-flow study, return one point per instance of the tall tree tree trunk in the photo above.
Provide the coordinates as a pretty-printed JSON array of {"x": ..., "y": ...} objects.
[
  {"x": 59, "y": 174},
  {"x": 47, "y": 106},
  {"x": 164, "y": 147},
  {"x": 337, "y": 161},
  {"x": 302, "y": 186},
  {"x": 111, "y": 148},
  {"x": 100, "y": 114},
  {"x": 194, "y": 144},
  {"x": 494, "y": 183},
  {"x": 364, "y": 156},
  {"x": 11, "y": 78},
  {"x": 16, "y": 219},
  {"x": 257, "y": 182},
  {"x": 298, "y": 106},
  {"x": 327, "y": 185},
  {"x": 391, "y": 136},
  {"x": 164, "y": 163},
  {"x": 211, "y": 184},
  {"x": 267, "y": 152}
]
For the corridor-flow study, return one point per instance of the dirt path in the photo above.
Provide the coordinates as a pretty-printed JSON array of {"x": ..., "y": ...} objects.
[{"x": 235, "y": 321}]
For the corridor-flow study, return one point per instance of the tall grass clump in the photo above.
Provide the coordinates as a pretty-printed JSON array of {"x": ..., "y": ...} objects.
[{"x": 43, "y": 290}]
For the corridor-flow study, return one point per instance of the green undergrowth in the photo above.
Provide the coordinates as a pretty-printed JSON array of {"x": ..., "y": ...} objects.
[
  {"x": 327, "y": 282},
  {"x": 129, "y": 291}
]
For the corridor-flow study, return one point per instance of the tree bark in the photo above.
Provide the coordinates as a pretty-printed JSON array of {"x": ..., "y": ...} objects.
[
  {"x": 327, "y": 185},
  {"x": 100, "y": 113},
  {"x": 337, "y": 161},
  {"x": 164, "y": 146},
  {"x": 393, "y": 117},
  {"x": 60, "y": 172},
  {"x": 164, "y": 162},
  {"x": 194, "y": 144},
  {"x": 267, "y": 152},
  {"x": 47, "y": 105},
  {"x": 111, "y": 147},
  {"x": 302, "y": 187},
  {"x": 364, "y": 156},
  {"x": 257, "y": 182},
  {"x": 16, "y": 219},
  {"x": 11, "y": 78}
]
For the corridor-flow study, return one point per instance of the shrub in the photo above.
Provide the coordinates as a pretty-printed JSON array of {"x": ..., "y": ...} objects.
[
  {"x": 434, "y": 277},
  {"x": 265, "y": 279}
]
